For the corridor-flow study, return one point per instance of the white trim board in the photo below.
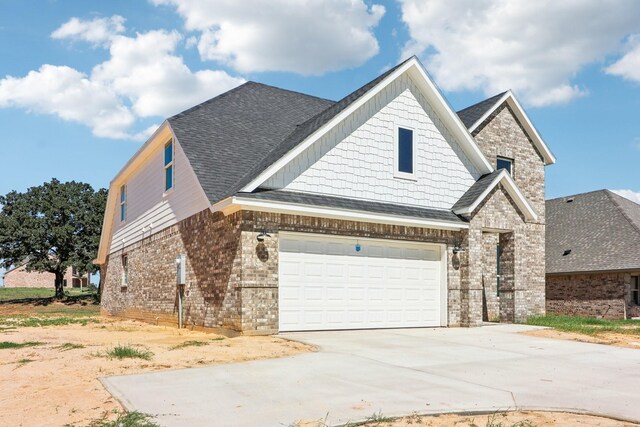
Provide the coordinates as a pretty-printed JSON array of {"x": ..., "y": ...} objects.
[
  {"x": 509, "y": 184},
  {"x": 521, "y": 115},
  {"x": 236, "y": 203},
  {"x": 420, "y": 77}
]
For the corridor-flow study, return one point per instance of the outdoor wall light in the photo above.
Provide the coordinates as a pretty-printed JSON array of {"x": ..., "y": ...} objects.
[
  {"x": 457, "y": 248},
  {"x": 263, "y": 235}
]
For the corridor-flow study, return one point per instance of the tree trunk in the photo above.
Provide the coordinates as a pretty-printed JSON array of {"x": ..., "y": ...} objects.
[{"x": 59, "y": 284}]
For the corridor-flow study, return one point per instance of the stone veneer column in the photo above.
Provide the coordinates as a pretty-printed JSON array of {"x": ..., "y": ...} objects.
[{"x": 472, "y": 286}]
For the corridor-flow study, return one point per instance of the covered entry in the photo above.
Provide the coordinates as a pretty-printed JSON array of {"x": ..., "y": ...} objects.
[{"x": 329, "y": 282}]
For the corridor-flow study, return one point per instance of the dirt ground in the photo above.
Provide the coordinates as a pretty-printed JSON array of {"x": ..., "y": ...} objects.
[
  {"x": 618, "y": 340},
  {"x": 504, "y": 419},
  {"x": 47, "y": 385}
]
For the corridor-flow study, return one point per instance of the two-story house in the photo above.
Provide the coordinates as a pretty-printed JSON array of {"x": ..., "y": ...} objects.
[{"x": 385, "y": 209}]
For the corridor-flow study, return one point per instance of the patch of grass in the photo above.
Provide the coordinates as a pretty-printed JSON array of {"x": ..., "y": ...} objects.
[
  {"x": 69, "y": 346},
  {"x": 587, "y": 325},
  {"x": 22, "y": 362},
  {"x": 11, "y": 345},
  {"x": 38, "y": 293},
  {"x": 126, "y": 419},
  {"x": 195, "y": 343},
  {"x": 128, "y": 352},
  {"x": 377, "y": 417},
  {"x": 25, "y": 321}
]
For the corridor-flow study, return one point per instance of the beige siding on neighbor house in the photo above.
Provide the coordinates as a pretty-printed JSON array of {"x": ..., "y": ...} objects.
[
  {"x": 149, "y": 209},
  {"x": 356, "y": 158}
]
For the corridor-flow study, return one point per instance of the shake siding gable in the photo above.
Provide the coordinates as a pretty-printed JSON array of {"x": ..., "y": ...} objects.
[
  {"x": 149, "y": 209},
  {"x": 356, "y": 158}
]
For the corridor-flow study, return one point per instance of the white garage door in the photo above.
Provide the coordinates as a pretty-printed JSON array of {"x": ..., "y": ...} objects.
[{"x": 325, "y": 283}]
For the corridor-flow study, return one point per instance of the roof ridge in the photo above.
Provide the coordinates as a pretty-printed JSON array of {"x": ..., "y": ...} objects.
[
  {"x": 610, "y": 194},
  {"x": 577, "y": 194},
  {"x": 210, "y": 100},
  {"x": 230, "y": 91}
]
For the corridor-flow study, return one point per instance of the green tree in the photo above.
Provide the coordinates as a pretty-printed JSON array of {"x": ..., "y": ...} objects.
[{"x": 52, "y": 227}]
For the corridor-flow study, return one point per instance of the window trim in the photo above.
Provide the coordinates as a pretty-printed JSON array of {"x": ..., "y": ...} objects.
[
  {"x": 123, "y": 203},
  {"x": 511, "y": 162},
  {"x": 635, "y": 293},
  {"x": 396, "y": 153},
  {"x": 171, "y": 165},
  {"x": 125, "y": 270}
]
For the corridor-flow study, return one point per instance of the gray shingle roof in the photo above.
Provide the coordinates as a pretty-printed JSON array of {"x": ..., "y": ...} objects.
[
  {"x": 354, "y": 204},
  {"x": 472, "y": 114},
  {"x": 601, "y": 228},
  {"x": 229, "y": 140},
  {"x": 475, "y": 191},
  {"x": 225, "y": 137}
]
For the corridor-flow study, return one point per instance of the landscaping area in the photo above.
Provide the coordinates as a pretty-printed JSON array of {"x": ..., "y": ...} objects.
[
  {"x": 622, "y": 333},
  {"x": 52, "y": 354},
  {"x": 497, "y": 419},
  {"x": 9, "y": 294}
]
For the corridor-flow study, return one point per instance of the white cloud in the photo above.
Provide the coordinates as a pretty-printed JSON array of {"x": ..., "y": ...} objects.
[
  {"x": 70, "y": 95},
  {"x": 628, "y": 66},
  {"x": 310, "y": 37},
  {"x": 145, "y": 70},
  {"x": 143, "y": 77},
  {"x": 96, "y": 31},
  {"x": 634, "y": 196},
  {"x": 532, "y": 47}
]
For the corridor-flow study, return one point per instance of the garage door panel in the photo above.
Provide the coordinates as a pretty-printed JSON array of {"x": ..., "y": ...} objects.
[{"x": 326, "y": 284}]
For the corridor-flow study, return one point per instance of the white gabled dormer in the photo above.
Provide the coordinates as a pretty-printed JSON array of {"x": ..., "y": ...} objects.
[{"x": 401, "y": 145}]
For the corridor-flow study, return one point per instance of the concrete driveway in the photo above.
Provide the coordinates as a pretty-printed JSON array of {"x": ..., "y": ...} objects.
[{"x": 395, "y": 372}]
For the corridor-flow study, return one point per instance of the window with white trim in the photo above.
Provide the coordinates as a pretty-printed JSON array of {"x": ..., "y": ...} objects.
[
  {"x": 635, "y": 290},
  {"x": 125, "y": 270},
  {"x": 506, "y": 164},
  {"x": 404, "y": 153},
  {"x": 168, "y": 166},
  {"x": 123, "y": 203}
]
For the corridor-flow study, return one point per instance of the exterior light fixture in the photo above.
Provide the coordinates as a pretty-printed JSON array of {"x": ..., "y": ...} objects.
[
  {"x": 263, "y": 235},
  {"x": 457, "y": 248}
]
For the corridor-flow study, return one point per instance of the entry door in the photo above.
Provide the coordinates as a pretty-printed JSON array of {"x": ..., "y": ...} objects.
[{"x": 337, "y": 283}]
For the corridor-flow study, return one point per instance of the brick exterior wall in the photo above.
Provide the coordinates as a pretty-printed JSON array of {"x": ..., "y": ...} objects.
[
  {"x": 232, "y": 279},
  {"x": 522, "y": 291},
  {"x": 21, "y": 278},
  {"x": 602, "y": 295}
]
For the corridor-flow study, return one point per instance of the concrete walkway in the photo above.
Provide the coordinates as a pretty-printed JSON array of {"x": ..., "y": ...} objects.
[{"x": 394, "y": 372}]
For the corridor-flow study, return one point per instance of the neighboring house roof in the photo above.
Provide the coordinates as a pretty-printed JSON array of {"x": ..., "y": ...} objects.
[
  {"x": 474, "y": 116},
  {"x": 483, "y": 186},
  {"x": 600, "y": 228},
  {"x": 226, "y": 137}
]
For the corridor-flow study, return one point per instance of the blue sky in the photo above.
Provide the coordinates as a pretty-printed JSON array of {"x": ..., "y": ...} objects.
[{"x": 82, "y": 82}]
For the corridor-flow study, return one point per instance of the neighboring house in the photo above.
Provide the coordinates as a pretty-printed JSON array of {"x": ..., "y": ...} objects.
[
  {"x": 19, "y": 277},
  {"x": 593, "y": 255},
  {"x": 384, "y": 209}
]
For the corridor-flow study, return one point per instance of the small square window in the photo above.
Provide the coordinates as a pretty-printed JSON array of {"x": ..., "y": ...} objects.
[
  {"x": 504, "y": 163},
  {"x": 635, "y": 290}
]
